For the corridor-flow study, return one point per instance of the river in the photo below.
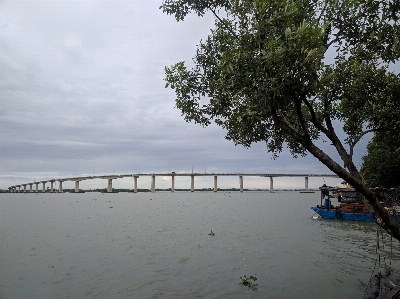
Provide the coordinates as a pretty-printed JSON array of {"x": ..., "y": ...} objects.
[{"x": 157, "y": 245}]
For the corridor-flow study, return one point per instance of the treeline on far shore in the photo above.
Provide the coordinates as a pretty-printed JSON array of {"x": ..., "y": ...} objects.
[{"x": 118, "y": 190}]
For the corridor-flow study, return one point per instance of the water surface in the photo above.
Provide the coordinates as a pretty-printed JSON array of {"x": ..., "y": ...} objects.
[{"x": 157, "y": 245}]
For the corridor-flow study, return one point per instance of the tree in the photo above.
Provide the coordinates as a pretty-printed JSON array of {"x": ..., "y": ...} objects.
[
  {"x": 381, "y": 166},
  {"x": 263, "y": 76}
]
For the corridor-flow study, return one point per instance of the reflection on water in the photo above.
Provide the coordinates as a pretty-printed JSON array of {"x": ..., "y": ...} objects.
[{"x": 158, "y": 246}]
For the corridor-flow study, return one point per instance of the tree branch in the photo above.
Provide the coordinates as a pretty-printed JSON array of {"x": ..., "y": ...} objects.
[
  {"x": 223, "y": 23},
  {"x": 347, "y": 159},
  {"x": 357, "y": 139},
  {"x": 322, "y": 11},
  {"x": 314, "y": 119},
  {"x": 301, "y": 118}
]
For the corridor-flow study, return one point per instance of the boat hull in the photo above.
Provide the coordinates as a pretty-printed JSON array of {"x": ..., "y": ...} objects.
[{"x": 336, "y": 214}]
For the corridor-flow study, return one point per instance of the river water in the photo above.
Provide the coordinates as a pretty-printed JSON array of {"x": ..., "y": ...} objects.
[{"x": 157, "y": 245}]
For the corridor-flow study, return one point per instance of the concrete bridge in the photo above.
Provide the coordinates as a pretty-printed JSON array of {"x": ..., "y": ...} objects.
[{"x": 110, "y": 178}]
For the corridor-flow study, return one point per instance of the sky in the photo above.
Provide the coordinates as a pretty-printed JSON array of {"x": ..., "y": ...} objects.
[{"x": 82, "y": 93}]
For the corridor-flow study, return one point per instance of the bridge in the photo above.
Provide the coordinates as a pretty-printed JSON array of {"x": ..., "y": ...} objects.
[{"x": 110, "y": 178}]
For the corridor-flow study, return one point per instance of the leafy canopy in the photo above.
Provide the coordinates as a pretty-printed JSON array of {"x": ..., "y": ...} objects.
[
  {"x": 262, "y": 75},
  {"x": 291, "y": 72}
]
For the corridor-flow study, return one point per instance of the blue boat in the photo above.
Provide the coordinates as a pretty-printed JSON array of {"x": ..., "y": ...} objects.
[
  {"x": 349, "y": 205},
  {"x": 337, "y": 214}
]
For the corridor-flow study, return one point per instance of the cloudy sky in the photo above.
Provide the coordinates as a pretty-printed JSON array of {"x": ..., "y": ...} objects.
[{"x": 82, "y": 93}]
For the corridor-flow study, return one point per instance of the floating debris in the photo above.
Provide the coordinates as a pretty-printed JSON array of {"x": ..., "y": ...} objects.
[{"x": 211, "y": 234}]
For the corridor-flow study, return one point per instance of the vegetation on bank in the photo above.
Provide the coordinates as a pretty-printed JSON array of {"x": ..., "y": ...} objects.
[{"x": 381, "y": 166}]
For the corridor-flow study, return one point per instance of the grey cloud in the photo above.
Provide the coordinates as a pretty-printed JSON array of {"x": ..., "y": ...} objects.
[{"x": 82, "y": 91}]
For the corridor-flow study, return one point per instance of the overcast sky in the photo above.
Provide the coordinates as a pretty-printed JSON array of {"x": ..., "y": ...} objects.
[{"x": 82, "y": 92}]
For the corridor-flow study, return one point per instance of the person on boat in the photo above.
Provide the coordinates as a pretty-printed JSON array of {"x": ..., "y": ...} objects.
[{"x": 325, "y": 191}]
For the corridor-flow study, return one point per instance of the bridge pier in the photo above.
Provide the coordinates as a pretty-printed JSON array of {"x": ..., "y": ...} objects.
[
  {"x": 51, "y": 186},
  {"x": 30, "y": 187},
  {"x": 241, "y": 183},
  {"x": 77, "y": 186},
  {"x": 192, "y": 183},
  {"x": 153, "y": 183},
  {"x": 37, "y": 187},
  {"x": 60, "y": 189},
  {"x": 173, "y": 183},
  {"x": 135, "y": 177},
  {"x": 44, "y": 187},
  {"x": 215, "y": 184},
  {"x": 306, "y": 183},
  {"x": 271, "y": 184},
  {"x": 24, "y": 188},
  {"x": 109, "y": 186}
]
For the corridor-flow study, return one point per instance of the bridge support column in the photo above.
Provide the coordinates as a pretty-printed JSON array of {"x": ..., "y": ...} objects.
[
  {"x": 271, "y": 184},
  {"x": 30, "y": 187},
  {"x": 24, "y": 188},
  {"x": 135, "y": 184},
  {"x": 173, "y": 184},
  {"x": 19, "y": 189},
  {"x": 44, "y": 187},
  {"x": 153, "y": 183},
  {"x": 109, "y": 186},
  {"x": 306, "y": 183},
  {"x": 215, "y": 184},
  {"x": 241, "y": 183},
  {"x": 60, "y": 189},
  {"x": 76, "y": 186},
  {"x": 51, "y": 186},
  {"x": 192, "y": 183},
  {"x": 37, "y": 187}
]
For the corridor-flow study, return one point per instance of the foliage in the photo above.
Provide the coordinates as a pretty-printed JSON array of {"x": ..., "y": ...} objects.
[
  {"x": 381, "y": 167},
  {"x": 263, "y": 74},
  {"x": 249, "y": 281}
]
